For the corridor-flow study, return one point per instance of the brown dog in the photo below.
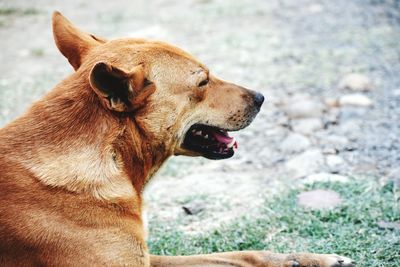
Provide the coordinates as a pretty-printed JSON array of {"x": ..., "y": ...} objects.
[{"x": 74, "y": 166}]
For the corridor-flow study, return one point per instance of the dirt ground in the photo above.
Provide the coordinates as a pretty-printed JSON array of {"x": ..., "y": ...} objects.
[{"x": 317, "y": 120}]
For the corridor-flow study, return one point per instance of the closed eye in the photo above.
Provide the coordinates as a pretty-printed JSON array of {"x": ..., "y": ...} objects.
[
  {"x": 146, "y": 82},
  {"x": 203, "y": 82}
]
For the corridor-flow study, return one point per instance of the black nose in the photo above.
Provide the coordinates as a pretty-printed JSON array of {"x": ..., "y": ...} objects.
[{"x": 258, "y": 99}]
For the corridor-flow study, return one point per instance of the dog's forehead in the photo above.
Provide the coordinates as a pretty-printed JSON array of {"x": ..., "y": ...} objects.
[
  {"x": 176, "y": 55},
  {"x": 157, "y": 52},
  {"x": 175, "y": 62}
]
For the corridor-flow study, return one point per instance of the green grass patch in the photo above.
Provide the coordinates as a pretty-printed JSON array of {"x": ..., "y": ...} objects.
[
  {"x": 282, "y": 226},
  {"x": 37, "y": 52},
  {"x": 6, "y": 11}
]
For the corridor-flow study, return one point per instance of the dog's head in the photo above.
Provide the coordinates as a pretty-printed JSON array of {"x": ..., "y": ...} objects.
[{"x": 174, "y": 99}]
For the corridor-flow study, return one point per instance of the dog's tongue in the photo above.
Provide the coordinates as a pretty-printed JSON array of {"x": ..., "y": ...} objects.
[{"x": 224, "y": 138}]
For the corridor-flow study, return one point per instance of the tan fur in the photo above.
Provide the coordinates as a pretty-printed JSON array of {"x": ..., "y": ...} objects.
[
  {"x": 82, "y": 170},
  {"x": 74, "y": 166}
]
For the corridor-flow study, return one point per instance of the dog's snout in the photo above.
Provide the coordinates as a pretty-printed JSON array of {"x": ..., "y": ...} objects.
[{"x": 258, "y": 99}]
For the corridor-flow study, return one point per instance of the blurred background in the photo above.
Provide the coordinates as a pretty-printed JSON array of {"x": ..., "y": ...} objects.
[{"x": 318, "y": 170}]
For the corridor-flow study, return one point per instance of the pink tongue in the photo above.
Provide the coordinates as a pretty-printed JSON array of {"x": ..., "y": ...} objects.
[{"x": 222, "y": 138}]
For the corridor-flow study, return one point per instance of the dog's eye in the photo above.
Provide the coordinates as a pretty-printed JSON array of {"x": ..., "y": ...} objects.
[
  {"x": 146, "y": 82},
  {"x": 203, "y": 82}
]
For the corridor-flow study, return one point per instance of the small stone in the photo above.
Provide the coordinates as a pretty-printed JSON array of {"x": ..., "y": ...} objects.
[
  {"x": 351, "y": 129},
  {"x": 307, "y": 126},
  {"x": 306, "y": 108},
  {"x": 332, "y": 117},
  {"x": 351, "y": 113},
  {"x": 331, "y": 102},
  {"x": 394, "y": 175},
  {"x": 295, "y": 143},
  {"x": 334, "y": 162},
  {"x": 365, "y": 168},
  {"x": 326, "y": 177},
  {"x": 283, "y": 121},
  {"x": 396, "y": 92},
  {"x": 319, "y": 199},
  {"x": 305, "y": 163},
  {"x": 315, "y": 8},
  {"x": 358, "y": 100},
  {"x": 299, "y": 96},
  {"x": 329, "y": 151},
  {"x": 193, "y": 208},
  {"x": 356, "y": 82},
  {"x": 389, "y": 225},
  {"x": 23, "y": 53},
  {"x": 338, "y": 141}
]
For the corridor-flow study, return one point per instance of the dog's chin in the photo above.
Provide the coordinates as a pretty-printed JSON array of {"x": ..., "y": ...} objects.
[{"x": 209, "y": 142}]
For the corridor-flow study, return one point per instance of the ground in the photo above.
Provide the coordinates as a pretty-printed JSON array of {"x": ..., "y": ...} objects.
[{"x": 318, "y": 129}]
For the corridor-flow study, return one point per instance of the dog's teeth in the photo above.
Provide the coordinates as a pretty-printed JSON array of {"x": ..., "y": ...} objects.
[
  {"x": 198, "y": 133},
  {"x": 231, "y": 143},
  {"x": 206, "y": 136}
]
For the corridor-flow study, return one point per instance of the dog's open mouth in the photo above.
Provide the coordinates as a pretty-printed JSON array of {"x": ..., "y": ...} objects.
[{"x": 211, "y": 142}]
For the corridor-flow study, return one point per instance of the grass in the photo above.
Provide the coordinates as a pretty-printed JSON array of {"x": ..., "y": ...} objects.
[
  {"x": 282, "y": 226},
  {"x": 37, "y": 52},
  {"x": 6, "y": 11}
]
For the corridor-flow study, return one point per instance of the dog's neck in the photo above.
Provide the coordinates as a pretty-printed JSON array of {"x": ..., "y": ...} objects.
[{"x": 68, "y": 140}]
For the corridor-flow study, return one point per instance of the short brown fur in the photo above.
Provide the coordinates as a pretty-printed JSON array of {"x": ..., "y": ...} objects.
[{"x": 74, "y": 166}]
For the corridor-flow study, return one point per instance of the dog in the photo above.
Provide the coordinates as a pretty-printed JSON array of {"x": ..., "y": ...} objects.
[{"x": 74, "y": 166}]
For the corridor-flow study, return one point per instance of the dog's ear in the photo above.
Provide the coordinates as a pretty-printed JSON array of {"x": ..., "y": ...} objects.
[
  {"x": 120, "y": 90},
  {"x": 72, "y": 42}
]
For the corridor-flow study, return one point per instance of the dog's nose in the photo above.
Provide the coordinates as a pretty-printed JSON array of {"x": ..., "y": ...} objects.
[{"x": 258, "y": 99}]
